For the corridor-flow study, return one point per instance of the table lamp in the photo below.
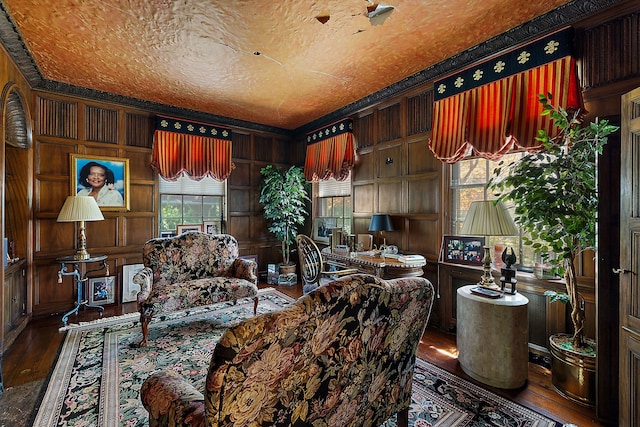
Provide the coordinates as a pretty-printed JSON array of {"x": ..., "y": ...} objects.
[
  {"x": 488, "y": 218},
  {"x": 381, "y": 223},
  {"x": 80, "y": 209}
]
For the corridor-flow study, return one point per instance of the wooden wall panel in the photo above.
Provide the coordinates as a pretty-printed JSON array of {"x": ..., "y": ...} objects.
[
  {"x": 238, "y": 226},
  {"x": 240, "y": 200},
  {"x": 53, "y": 158},
  {"x": 137, "y": 230},
  {"x": 241, "y": 146},
  {"x": 364, "y": 131},
  {"x": 365, "y": 167},
  {"x": 389, "y": 123},
  {"x": 389, "y": 197},
  {"x": 420, "y": 159},
  {"x": 52, "y": 194},
  {"x": 57, "y": 118},
  {"x": 100, "y": 124},
  {"x": 52, "y": 237},
  {"x": 241, "y": 175},
  {"x": 362, "y": 198},
  {"x": 424, "y": 195},
  {"x": 423, "y": 236},
  {"x": 263, "y": 148},
  {"x": 419, "y": 112},
  {"x": 390, "y": 161},
  {"x": 139, "y": 130},
  {"x": 144, "y": 200},
  {"x": 139, "y": 165}
]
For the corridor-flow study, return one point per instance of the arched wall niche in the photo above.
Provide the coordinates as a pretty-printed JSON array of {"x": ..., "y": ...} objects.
[{"x": 17, "y": 129}]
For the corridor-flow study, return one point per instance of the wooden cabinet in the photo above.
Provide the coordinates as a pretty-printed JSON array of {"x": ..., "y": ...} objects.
[{"x": 14, "y": 316}]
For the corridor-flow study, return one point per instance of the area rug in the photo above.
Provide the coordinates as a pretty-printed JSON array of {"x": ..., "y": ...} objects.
[{"x": 97, "y": 377}]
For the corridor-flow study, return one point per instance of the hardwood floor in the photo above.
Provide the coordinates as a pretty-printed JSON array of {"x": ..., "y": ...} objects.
[{"x": 34, "y": 352}]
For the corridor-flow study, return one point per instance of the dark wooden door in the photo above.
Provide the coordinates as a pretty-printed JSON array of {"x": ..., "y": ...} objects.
[{"x": 630, "y": 261}]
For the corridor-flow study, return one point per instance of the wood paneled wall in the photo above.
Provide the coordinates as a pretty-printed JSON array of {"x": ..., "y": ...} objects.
[
  {"x": 397, "y": 174},
  {"x": 65, "y": 126}
]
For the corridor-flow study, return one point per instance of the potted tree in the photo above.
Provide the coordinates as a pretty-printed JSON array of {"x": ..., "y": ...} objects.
[
  {"x": 283, "y": 194},
  {"x": 556, "y": 200}
]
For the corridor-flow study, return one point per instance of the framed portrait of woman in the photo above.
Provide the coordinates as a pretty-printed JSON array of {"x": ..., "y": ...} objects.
[{"x": 104, "y": 178}]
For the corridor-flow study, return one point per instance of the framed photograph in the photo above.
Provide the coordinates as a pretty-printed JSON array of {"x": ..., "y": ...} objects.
[
  {"x": 212, "y": 227},
  {"x": 463, "y": 250},
  {"x": 101, "y": 290},
  {"x": 188, "y": 227},
  {"x": 166, "y": 234},
  {"x": 322, "y": 228},
  {"x": 129, "y": 289},
  {"x": 105, "y": 178}
]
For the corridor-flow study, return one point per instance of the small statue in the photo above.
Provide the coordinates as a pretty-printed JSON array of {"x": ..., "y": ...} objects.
[{"x": 508, "y": 273}]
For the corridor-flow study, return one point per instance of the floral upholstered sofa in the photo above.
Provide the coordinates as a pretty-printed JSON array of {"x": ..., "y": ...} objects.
[
  {"x": 189, "y": 270},
  {"x": 342, "y": 355}
]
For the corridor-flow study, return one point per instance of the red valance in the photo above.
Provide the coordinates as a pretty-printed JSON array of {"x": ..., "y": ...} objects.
[
  {"x": 489, "y": 120},
  {"x": 330, "y": 152},
  {"x": 196, "y": 149}
]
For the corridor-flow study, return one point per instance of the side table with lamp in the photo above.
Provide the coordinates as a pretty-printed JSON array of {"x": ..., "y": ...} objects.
[
  {"x": 492, "y": 323},
  {"x": 80, "y": 209}
]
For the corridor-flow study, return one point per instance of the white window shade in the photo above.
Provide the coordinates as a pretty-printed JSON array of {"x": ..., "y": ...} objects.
[
  {"x": 333, "y": 188},
  {"x": 185, "y": 185}
]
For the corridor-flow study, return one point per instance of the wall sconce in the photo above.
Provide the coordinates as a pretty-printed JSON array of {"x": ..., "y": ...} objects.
[{"x": 389, "y": 160}]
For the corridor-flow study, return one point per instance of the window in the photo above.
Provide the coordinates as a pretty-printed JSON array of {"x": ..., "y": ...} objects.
[
  {"x": 468, "y": 184},
  {"x": 186, "y": 201},
  {"x": 334, "y": 200}
]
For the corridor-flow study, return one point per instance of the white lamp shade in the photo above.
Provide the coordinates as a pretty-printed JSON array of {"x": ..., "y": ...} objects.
[
  {"x": 488, "y": 218},
  {"x": 80, "y": 208}
]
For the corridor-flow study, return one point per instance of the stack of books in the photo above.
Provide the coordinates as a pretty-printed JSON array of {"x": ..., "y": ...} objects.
[{"x": 411, "y": 258}]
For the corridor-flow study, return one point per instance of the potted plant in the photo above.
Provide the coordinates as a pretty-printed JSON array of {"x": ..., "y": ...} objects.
[
  {"x": 556, "y": 200},
  {"x": 283, "y": 194}
]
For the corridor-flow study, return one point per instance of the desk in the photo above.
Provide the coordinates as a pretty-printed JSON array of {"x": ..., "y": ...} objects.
[
  {"x": 493, "y": 338},
  {"x": 80, "y": 279},
  {"x": 386, "y": 268}
]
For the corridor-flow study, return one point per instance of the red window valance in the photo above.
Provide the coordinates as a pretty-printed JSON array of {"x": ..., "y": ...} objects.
[
  {"x": 330, "y": 152},
  {"x": 489, "y": 109},
  {"x": 196, "y": 149}
]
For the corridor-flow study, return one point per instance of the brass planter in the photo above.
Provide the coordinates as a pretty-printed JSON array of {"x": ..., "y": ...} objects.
[
  {"x": 573, "y": 375},
  {"x": 287, "y": 268}
]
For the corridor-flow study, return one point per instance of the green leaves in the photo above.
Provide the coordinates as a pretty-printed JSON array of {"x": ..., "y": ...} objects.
[
  {"x": 284, "y": 194},
  {"x": 555, "y": 195}
]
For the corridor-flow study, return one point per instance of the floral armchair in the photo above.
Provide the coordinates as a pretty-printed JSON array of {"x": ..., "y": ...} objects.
[
  {"x": 342, "y": 355},
  {"x": 190, "y": 270}
]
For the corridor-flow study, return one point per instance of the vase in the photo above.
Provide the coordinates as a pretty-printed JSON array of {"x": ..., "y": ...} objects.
[{"x": 573, "y": 374}]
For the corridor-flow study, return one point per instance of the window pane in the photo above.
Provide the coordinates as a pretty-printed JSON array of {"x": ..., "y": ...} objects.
[
  {"x": 462, "y": 198},
  {"x": 211, "y": 207},
  {"x": 469, "y": 172}
]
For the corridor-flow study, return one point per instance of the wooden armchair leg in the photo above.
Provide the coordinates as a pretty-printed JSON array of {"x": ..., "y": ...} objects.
[
  {"x": 145, "y": 318},
  {"x": 255, "y": 305},
  {"x": 403, "y": 418}
]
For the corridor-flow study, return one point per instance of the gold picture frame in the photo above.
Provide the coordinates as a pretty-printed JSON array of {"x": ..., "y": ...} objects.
[{"x": 113, "y": 194}]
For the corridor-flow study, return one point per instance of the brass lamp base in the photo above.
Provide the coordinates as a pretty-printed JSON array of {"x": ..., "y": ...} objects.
[{"x": 487, "y": 281}]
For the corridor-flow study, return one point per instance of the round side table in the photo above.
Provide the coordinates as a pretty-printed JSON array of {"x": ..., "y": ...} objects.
[{"x": 493, "y": 338}]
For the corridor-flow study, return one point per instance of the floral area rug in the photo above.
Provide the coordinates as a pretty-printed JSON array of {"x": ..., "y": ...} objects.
[{"x": 97, "y": 378}]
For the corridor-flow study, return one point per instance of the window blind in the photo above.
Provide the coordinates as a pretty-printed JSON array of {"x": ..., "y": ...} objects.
[{"x": 185, "y": 185}]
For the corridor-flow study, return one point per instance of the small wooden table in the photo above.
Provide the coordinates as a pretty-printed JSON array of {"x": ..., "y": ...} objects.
[{"x": 385, "y": 268}]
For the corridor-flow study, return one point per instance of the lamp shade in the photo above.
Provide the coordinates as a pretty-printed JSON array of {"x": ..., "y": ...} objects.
[
  {"x": 380, "y": 222},
  {"x": 488, "y": 218},
  {"x": 80, "y": 208}
]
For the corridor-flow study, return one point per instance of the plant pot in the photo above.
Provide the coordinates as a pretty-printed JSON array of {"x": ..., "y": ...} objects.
[
  {"x": 573, "y": 374},
  {"x": 287, "y": 268}
]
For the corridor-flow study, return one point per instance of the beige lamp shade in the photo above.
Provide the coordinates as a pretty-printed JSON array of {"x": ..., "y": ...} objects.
[
  {"x": 80, "y": 208},
  {"x": 488, "y": 218}
]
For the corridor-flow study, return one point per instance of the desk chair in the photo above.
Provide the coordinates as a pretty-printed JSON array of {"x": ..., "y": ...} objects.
[{"x": 312, "y": 266}]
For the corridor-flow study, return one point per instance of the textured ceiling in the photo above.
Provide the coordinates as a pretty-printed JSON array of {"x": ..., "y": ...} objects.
[{"x": 267, "y": 62}]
